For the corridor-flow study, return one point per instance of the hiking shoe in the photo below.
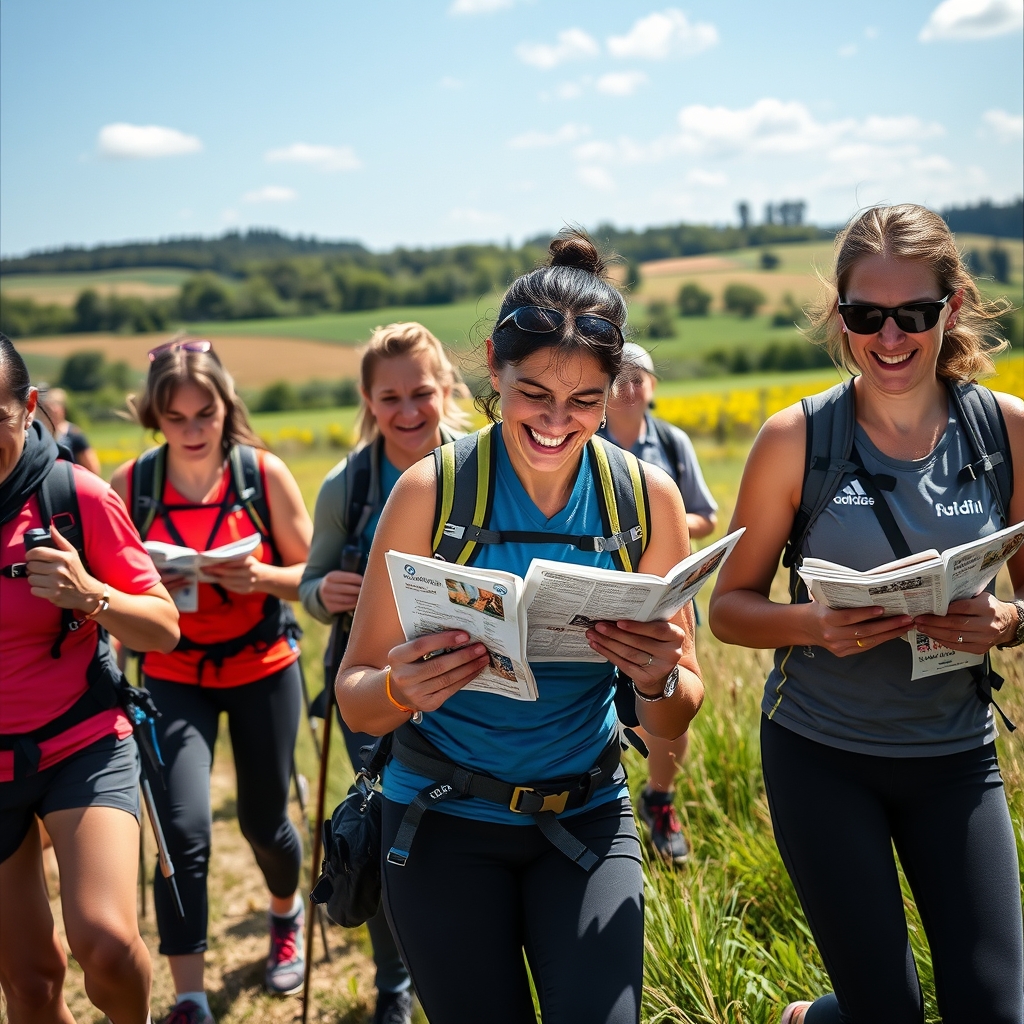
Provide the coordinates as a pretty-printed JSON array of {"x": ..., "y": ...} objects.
[
  {"x": 393, "y": 1008},
  {"x": 658, "y": 813},
  {"x": 286, "y": 964},
  {"x": 795, "y": 1013},
  {"x": 187, "y": 1012}
]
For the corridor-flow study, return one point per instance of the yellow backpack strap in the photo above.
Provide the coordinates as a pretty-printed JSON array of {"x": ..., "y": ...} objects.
[
  {"x": 622, "y": 496},
  {"x": 465, "y": 494}
]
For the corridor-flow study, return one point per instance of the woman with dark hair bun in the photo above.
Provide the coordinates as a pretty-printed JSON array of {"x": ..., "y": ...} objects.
[{"x": 540, "y": 853}]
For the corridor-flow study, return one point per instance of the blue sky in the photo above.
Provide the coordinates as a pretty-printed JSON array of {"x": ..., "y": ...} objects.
[{"x": 422, "y": 122}]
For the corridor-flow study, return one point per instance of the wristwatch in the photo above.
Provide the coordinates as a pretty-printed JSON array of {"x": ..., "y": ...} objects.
[
  {"x": 1018, "y": 637},
  {"x": 670, "y": 687}
]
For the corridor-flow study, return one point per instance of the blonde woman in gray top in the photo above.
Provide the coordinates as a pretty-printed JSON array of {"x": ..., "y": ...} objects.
[
  {"x": 408, "y": 388},
  {"x": 859, "y": 758}
]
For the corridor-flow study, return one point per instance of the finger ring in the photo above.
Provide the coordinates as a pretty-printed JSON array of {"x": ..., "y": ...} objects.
[
  {"x": 859, "y": 644},
  {"x": 960, "y": 639},
  {"x": 650, "y": 661}
]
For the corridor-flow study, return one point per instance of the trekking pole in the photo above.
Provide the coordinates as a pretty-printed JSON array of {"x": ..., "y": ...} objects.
[
  {"x": 166, "y": 866},
  {"x": 321, "y": 796}
]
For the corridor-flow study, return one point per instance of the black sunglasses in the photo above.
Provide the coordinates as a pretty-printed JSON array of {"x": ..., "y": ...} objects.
[
  {"x": 914, "y": 317},
  {"x": 542, "y": 320}
]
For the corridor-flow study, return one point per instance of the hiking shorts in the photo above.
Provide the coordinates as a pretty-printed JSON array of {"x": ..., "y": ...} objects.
[{"x": 103, "y": 774}]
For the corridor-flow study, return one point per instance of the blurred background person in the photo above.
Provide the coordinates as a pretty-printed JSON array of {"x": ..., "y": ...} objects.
[
  {"x": 238, "y": 653},
  {"x": 408, "y": 388},
  {"x": 631, "y": 426},
  {"x": 53, "y": 405}
]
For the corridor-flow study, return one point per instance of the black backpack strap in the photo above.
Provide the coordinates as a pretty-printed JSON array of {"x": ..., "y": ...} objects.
[
  {"x": 670, "y": 445},
  {"x": 829, "y": 418},
  {"x": 362, "y": 488},
  {"x": 982, "y": 420},
  {"x": 148, "y": 475},
  {"x": 465, "y": 471},
  {"x": 252, "y": 496},
  {"x": 58, "y": 505}
]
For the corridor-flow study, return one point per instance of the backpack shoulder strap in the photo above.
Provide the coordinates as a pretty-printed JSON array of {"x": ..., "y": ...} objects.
[
  {"x": 148, "y": 475},
  {"x": 985, "y": 427},
  {"x": 465, "y": 493},
  {"x": 622, "y": 497},
  {"x": 670, "y": 444},
  {"x": 830, "y": 418},
  {"x": 362, "y": 488},
  {"x": 247, "y": 478},
  {"x": 58, "y": 504}
]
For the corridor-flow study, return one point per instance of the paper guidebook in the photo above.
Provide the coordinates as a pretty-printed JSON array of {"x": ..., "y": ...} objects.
[
  {"x": 921, "y": 584},
  {"x": 542, "y": 618},
  {"x": 190, "y": 563}
]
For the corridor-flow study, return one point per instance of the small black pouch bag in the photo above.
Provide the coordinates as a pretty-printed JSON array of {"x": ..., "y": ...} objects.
[{"x": 349, "y": 882}]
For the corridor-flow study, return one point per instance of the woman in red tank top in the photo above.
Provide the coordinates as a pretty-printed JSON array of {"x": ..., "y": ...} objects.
[{"x": 210, "y": 485}]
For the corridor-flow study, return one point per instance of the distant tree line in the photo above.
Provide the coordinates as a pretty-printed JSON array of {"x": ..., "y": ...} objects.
[{"x": 987, "y": 218}]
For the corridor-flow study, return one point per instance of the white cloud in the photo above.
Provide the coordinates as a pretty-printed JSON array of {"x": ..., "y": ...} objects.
[
  {"x": 621, "y": 83},
  {"x": 569, "y": 90},
  {"x": 664, "y": 34},
  {"x": 573, "y": 44},
  {"x": 450, "y": 82},
  {"x": 474, "y": 217},
  {"x": 973, "y": 19},
  {"x": 596, "y": 178},
  {"x": 871, "y": 32},
  {"x": 540, "y": 140},
  {"x": 271, "y": 194},
  {"x": 907, "y": 129},
  {"x": 479, "y": 6},
  {"x": 706, "y": 179},
  {"x": 849, "y": 50},
  {"x": 1007, "y": 127},
  {"x": 144, "y": 142},
  {"x": 324, "y": 158}
]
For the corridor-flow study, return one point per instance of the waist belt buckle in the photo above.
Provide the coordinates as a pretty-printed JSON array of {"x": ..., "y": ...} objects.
[{"x": 552, "y": 802}]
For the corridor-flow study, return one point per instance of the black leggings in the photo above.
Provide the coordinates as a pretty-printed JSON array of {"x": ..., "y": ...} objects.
[
  {"x": 475, "y": 894},
  {"x": 837, "y": 816},
  {"x": 263, "y": 719}
]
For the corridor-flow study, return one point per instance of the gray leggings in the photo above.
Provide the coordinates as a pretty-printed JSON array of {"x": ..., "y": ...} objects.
[
  {"x": 837, "y": 816},
  {"x": 263, "y": 719}
]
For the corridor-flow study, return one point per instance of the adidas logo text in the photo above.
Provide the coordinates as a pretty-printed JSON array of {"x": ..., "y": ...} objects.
[{"x": 853, "y": 494}]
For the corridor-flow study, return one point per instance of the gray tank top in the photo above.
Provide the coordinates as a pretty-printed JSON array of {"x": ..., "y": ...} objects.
[{"x": 867, "y": 702}]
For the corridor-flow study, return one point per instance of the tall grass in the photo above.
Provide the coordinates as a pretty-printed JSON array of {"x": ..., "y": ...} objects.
[{"x": 727, "y": 942}]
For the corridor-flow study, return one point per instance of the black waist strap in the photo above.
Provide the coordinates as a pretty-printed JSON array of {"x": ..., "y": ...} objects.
[
  {"x": 542, "y": 800},
  {"x": 278, "y": 621},
  {"x": 585, "y": 543}
]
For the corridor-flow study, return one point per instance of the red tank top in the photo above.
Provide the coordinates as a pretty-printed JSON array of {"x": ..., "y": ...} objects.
[{"x": 217, "y": 618}]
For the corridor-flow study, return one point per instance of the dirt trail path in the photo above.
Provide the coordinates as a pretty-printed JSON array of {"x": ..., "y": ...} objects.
[{"x": 342, "y": 991}]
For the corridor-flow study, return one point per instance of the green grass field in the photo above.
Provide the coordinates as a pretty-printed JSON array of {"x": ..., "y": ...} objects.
[{"x": 63, "y": 289}]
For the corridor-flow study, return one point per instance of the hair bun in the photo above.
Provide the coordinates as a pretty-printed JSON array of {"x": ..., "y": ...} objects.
[{"x": 572, "y": 247}]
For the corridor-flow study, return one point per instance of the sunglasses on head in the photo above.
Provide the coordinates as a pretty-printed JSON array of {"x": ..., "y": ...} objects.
[
  {"x": 542, "y": 320},
  {"x": 913, "y": 317},
  {"x": 198, "y": 345}
]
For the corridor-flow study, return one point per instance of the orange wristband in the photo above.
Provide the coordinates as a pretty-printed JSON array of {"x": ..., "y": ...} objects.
[{"x": 391, "y": 698}]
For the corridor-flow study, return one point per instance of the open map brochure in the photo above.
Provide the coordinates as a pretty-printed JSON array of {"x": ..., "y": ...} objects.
[
  {"x": 190, "y": 563},
  {"x": 921, "y": 584},
  {"x": 542, "y": 618}
]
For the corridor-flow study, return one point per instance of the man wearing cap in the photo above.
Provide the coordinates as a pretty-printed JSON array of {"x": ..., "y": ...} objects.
[{"x": 631, "y": 426}]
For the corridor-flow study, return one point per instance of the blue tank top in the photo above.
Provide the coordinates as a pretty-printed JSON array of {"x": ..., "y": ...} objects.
[
  {"x": 564, "y": 731},
  {"x": 867, "y": 702},
  {"x": 388, "y": 479}
]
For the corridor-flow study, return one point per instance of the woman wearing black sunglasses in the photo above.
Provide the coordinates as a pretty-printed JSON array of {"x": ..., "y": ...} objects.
[
  {"x": 482, "y": 883},
  {"x": 858, "y": 757}
]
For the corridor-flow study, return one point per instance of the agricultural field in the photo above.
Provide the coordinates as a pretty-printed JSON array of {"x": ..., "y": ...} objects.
[
  {"x": 726, "y": 940},
  {"x": 64, "y": 289}
]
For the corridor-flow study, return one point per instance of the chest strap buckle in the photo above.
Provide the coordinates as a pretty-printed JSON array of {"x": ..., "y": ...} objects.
[{"x": 526, "y": 800}]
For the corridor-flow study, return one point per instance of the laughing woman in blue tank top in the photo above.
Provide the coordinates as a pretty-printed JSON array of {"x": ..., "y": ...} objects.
[
  {"x": 483, "y": 882},
  {"x": 858, "y": 758}
]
